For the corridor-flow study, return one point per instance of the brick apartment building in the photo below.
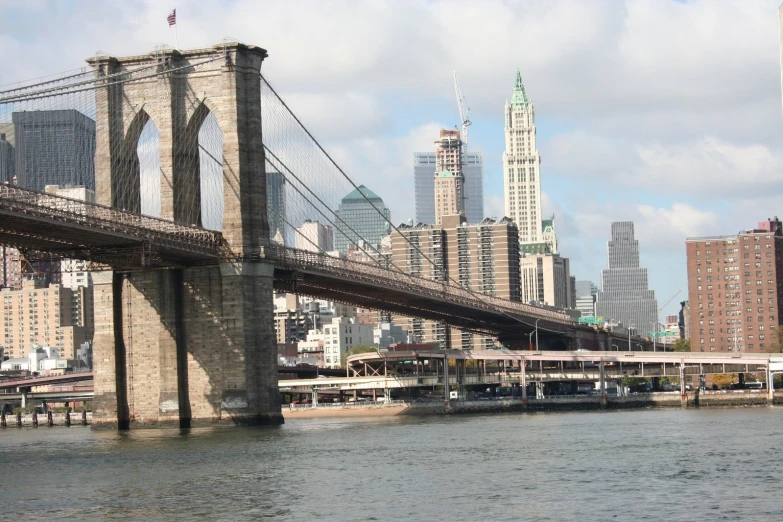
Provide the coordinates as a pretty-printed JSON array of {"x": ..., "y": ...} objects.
[
  {"x": 483, "y": 257},
  {"x": 735, "y": 289}
]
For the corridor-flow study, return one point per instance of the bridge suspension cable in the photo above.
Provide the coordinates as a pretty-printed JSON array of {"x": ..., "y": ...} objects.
[
  {"x": 285, "y": 131},
  {"x": 183, "y": 183}
]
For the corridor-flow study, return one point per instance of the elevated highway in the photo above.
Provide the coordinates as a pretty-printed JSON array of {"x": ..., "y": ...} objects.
[{"x": 457, "y": 369}]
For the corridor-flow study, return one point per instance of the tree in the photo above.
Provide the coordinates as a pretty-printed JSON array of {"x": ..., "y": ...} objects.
[
  {"x": 355, "y": 350},
  {"x": 776, "y": 342},
  {"x": 681, "y": 345},
  {"x": 723, "y": 380}
]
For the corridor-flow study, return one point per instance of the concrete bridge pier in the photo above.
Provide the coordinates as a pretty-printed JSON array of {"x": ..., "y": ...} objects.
[
  {"x": 136, "y": 360},
  {"x": 182, "y": 348},
  {"x": 683, "y": 389},
  {"x": 770, "y": 385}
]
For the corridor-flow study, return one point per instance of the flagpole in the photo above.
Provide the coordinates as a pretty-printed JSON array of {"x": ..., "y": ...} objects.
[{"x": 176, "y": 35}]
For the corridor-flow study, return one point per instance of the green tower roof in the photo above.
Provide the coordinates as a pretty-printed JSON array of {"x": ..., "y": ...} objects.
[
  {"x": 519, "y": 98},
  {"x": 445, "y": 174},
  {"x": 356, "y": 195}
]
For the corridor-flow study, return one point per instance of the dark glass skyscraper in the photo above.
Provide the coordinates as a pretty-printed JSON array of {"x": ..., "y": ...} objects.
[
  {"x": 276, "y": 206},
  {"x": 7, "y": 159},
  {"x": 54, "y": 148},
  {"x": 424, "y": 187},
  {"x": 625, "y": 295},
  {"x": 357, "y": 213}
]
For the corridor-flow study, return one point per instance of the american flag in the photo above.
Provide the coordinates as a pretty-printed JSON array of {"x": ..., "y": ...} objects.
[{"x": 172, "y": 18}]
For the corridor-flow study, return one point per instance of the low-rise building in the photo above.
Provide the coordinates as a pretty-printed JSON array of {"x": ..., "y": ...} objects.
[
  {"x": 340, "y": 336},
  {"x": 387, "y": 334},
  {"x": 546, "y": 279}
]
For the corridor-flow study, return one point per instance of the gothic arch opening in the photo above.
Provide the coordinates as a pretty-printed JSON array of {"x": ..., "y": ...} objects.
[
  {"x": 210, "y": 167},
  {"x": 148, "y": 154}
]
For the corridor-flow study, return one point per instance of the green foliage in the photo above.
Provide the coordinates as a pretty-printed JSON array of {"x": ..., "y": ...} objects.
[
  {"x": 87, "y": 406},
  {"x": 61, "y": 409},
  {"x": 776, "y": 344},
  {"x": 632, "y": 381},
  {"x": 681, "y": 345},
  {"x": 724, "y": 379},
  {"x": 361, "y": 348},
  {"x": 18, "y": 411},
  {"x": 356, "y": 350}
]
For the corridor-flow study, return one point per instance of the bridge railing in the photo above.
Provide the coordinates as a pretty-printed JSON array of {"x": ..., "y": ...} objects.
[
  {"x": 73, "y": 211},
  {"x": 373, "y": 274}
]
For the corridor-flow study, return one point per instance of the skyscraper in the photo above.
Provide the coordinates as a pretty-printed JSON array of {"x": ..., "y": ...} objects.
[
  {"x": 449, "y": 155},
  {"x": 449, "y": 181},
  {"x": 521, "y": 164},
  {"x": 276, "y": 205},
  {"x": 585, "y": 292},
  {"x": 424, "y": 187},
  {"x": 357, "y": 219},
  {"x": 546, "y": 279},
  {"x": 7, "y": 159},
  {"x": 625, "y": 295},
  {"x": 448, "y": 196},
  {"x": 54, "y": 148}
]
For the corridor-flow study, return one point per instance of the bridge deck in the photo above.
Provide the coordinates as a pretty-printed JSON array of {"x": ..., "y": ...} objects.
[
  {"x": 66, "y": 228},
  {"x": 70, "y": 228}
]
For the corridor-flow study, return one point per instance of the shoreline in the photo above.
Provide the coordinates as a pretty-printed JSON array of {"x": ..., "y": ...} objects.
[{"x": 575, "y": 403}]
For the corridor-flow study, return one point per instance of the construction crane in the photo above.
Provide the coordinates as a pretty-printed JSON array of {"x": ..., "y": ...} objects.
[
  {"x": 670, "y": 300},
  {"x": 464, "y": 113}
]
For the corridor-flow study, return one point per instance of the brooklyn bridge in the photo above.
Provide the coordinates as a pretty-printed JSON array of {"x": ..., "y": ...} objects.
[{"x": 184, "y": 264}]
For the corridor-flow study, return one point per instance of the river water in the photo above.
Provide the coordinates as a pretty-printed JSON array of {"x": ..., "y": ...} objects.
[{"x": 694, "y": 464}]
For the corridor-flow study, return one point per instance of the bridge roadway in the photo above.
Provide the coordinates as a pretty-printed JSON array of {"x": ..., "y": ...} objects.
[
  {"x": 425, "y": 369},
  {"x": 51, "y": 396},
  {"x": 60, "y": 227},
  {"x": 420, "y": 369},
  {"x": 44, "y": 380}
]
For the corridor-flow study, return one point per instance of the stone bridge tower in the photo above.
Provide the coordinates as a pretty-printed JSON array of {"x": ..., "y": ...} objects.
[{"x": 192, "y": 345}]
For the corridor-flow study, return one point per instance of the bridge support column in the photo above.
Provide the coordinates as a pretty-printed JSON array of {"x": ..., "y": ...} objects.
[
  {"x": 523, "y": 379},
  {"x": 683, "y": 389},
  {"x": 138, "y": 349},
  {"x": 195, "y": 345},
  {"x": 602, "y": 378},
  {"x": 770, "y": 385},
  {"x": 446, "y": 387},
  {"x": 232, "y": 349},
  {"x": 24, "y": 392}
]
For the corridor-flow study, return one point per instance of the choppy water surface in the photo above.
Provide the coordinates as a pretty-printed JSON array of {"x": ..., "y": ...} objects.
[{"x": 718, "y": 464}]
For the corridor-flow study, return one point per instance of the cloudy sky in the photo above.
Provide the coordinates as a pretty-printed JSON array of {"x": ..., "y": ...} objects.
[{"x": 664, "y": 112}]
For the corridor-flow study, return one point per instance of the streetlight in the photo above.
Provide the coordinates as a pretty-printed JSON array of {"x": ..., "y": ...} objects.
[
  {"x": 537, "y": 333},
  {"x": 530, "y": 341},
  {"x": 655, "y": 335},
  {"x": 629, "y": 336}
]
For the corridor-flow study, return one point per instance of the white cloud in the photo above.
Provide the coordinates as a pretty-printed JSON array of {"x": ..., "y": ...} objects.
[
  {"x": 664, "y": 112},
  {"x": 494, "y": 206},
  {"x": 385, "y": 165}
]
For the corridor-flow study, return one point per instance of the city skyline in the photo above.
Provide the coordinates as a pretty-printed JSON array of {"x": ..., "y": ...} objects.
[{"x": 629, "y": 126}]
